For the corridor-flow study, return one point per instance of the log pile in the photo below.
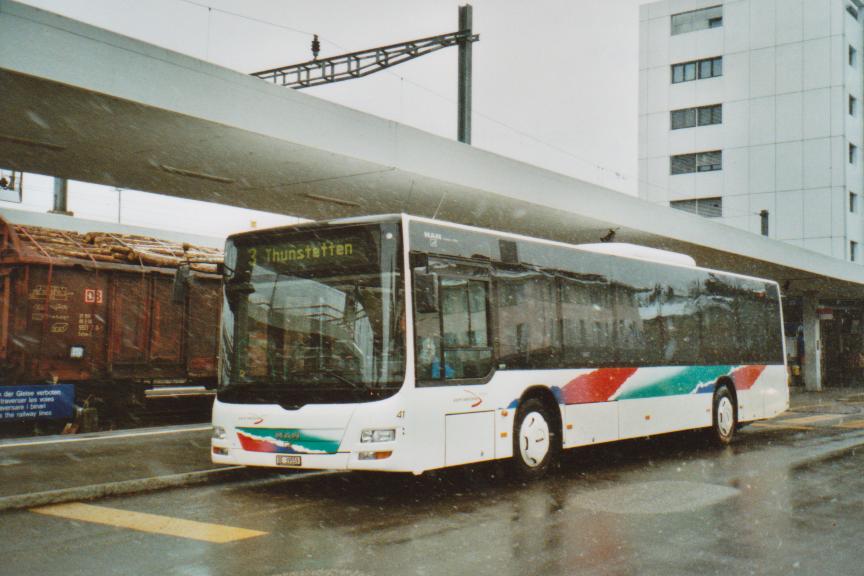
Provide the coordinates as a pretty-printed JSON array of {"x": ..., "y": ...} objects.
[{"x": 117, "y": 248}]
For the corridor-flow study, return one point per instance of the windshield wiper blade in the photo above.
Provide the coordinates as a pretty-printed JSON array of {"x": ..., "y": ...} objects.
[{"x": 341, "y": 378}]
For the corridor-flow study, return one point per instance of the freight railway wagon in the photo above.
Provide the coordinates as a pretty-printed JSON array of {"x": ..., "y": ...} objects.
[{"x": 97, "y": 310}]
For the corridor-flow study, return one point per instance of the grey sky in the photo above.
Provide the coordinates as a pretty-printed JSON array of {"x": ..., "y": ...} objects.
[{"x": 556, "y": 81}]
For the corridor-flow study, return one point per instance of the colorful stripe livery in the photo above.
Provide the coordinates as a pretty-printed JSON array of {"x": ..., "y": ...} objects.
[
  {"x": 597, "y": 386},
  {"x": 745, "y": 376},
  {"x": 289, "y": 440},
  {"x": 605, "y": 384}
]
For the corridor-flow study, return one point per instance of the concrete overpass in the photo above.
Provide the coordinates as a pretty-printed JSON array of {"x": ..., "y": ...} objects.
[{"x": 83, "y": 103}]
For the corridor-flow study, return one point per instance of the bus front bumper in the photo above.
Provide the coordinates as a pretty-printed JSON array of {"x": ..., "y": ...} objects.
[
  {"x": 238, "y": 456},
  {"x": 378, "y": 458}
]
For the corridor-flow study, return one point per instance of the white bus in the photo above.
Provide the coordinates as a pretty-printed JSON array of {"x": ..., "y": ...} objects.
[{"x": 400, "y": 343}]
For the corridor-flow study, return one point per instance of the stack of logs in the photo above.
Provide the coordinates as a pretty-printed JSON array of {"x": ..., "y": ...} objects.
[{"x": 116, "y": 248}]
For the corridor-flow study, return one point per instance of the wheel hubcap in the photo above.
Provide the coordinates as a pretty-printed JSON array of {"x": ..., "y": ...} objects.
[
  {"x": 725, "y": 416},
  {"x": 534, "y": 439}
]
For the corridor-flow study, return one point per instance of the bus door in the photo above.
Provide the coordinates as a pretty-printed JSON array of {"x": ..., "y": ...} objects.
[{"x": 453, "y": 346}]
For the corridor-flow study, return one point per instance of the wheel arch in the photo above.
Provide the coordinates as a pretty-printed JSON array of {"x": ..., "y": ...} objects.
[
  {"x": 726, "y": 381},
  {"x": 550, "y": 402}
]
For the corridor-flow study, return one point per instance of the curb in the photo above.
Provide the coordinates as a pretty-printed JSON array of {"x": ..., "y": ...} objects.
[
  {"x": 123, "y": 487},
  {"x": 238, "y": 474}
]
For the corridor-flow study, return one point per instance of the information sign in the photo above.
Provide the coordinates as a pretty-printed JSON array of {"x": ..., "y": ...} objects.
[{"x": 50, "y": 402}]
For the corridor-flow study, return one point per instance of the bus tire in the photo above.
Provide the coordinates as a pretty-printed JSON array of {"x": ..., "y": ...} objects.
[
  {"x": 724, "y": 420},
  {"x": 536, "y": 440}
]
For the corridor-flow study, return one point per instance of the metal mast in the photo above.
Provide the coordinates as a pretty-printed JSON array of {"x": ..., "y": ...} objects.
[
  {"x": 464, "y": 123},
  {"x": 362, "y": 63}
]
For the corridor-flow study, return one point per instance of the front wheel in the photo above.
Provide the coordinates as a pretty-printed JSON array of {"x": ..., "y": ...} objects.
[
  {"x": 725, "y": 420},
  {"x": 536, "y": 440}
]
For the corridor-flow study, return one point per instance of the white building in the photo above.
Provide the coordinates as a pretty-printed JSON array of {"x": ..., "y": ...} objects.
[{"x": 751, "y": 112}]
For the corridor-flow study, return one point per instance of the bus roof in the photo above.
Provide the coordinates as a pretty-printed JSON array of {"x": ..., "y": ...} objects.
[
  {"x": 312, "y": 225},
  {"x": 618, "y": 249},
  {"x": 640, "y": 252}
]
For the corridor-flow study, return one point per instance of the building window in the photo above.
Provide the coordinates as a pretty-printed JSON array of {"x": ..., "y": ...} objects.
[
  {"x": 690, "y": 117},
  {"x": 711, "y": 115},
  {"x": 852, "y": 11},
  {"x": 697, "y": 70},
  {"x": 698, "y": 162},
  {"x": 853, "y": 251},
  {"x": 683, "y": 118},
  {"x": 853, "y": 153},
  {"x": 701, "y": 19},
  {"x": 853, "y": 202},
  {"x": 853, "y": 56},
  {"x": 707, "y": 207},
  {"x": 763, "y": 222},
  {"x": 683, "y": 72},
  {"x": 853, "y": 104}
]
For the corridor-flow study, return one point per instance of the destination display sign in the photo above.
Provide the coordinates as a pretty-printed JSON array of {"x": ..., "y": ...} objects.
[
  {"x": 326, "y": 250},
  {"x": 314, "y": 252}
]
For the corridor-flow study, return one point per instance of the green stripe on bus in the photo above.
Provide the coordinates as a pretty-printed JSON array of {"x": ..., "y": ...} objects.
[{"x": 683, "y": 382}]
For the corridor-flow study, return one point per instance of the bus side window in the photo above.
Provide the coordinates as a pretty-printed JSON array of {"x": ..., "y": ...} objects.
[
  {"x": 773, "y": 338},
  {"x": 719, "y": 310},
  {"x": 755, "y": 320},
  {"x": 681, "y": 317},
  {"x": 527, "y": 319},
  {"x": 464, "y": 317},
  {"x": 452, "y": 341},
  {"x": 427, "y": 328}
]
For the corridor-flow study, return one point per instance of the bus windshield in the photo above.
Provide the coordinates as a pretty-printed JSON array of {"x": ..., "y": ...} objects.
[{"x": 313, "y": 316}]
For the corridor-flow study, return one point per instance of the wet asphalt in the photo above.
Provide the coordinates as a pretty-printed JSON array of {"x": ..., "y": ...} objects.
[{"x": 778, "y": 501}]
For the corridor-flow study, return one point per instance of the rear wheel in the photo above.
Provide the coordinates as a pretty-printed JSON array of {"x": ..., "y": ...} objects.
[
  {"x": 536, "y": 440},
  {"x": 725, "y": 420}
]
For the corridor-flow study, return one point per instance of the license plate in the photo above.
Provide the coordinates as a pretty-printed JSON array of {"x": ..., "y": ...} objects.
[{"x": 288, "y": 460}]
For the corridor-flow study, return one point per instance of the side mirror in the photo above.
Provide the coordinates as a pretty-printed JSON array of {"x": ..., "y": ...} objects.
[
  {"x": 181, "y": 284},
  {"x": 426, "y": 292},
  {"x": 237, "y": 292}
]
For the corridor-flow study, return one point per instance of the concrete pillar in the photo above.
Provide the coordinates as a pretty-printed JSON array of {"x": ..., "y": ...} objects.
[
  {"x": 812, "y": 343},
  {"x": 61, "y": 194}
]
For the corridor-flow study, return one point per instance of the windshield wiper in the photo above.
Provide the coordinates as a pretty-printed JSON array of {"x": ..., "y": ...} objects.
[{"x": 341, "y": 378}]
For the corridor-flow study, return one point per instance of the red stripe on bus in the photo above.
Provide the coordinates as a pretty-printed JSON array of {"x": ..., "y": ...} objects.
[
  {"x": 596, "y": 386},
  {"x": 255, "y": 445},
  {"x": 745, "y": 377}
]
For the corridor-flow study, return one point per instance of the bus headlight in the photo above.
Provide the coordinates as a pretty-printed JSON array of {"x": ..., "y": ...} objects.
[
  {"x": 388, "y": 435},
  {"x": 218, "y": 433}
]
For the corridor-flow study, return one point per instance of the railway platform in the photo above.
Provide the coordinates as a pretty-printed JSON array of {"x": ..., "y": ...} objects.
[{"x": 54, "y": 469}]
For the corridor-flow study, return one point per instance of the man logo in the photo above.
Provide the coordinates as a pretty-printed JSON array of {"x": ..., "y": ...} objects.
[{"x": 433, "y": 238}]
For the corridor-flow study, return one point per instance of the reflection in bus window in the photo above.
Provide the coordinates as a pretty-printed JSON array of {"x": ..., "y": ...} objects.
[{"x": 527, "y": 319}]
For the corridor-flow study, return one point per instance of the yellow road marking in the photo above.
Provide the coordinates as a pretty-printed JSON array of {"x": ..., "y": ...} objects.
[
  {"x": 812, "y": 419},
  {"x": 805, "y": 408},
  {"x": 855, "y": 424},
  {"x": 153, "y": 523},
  {"x": 779, "y": 426}
]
